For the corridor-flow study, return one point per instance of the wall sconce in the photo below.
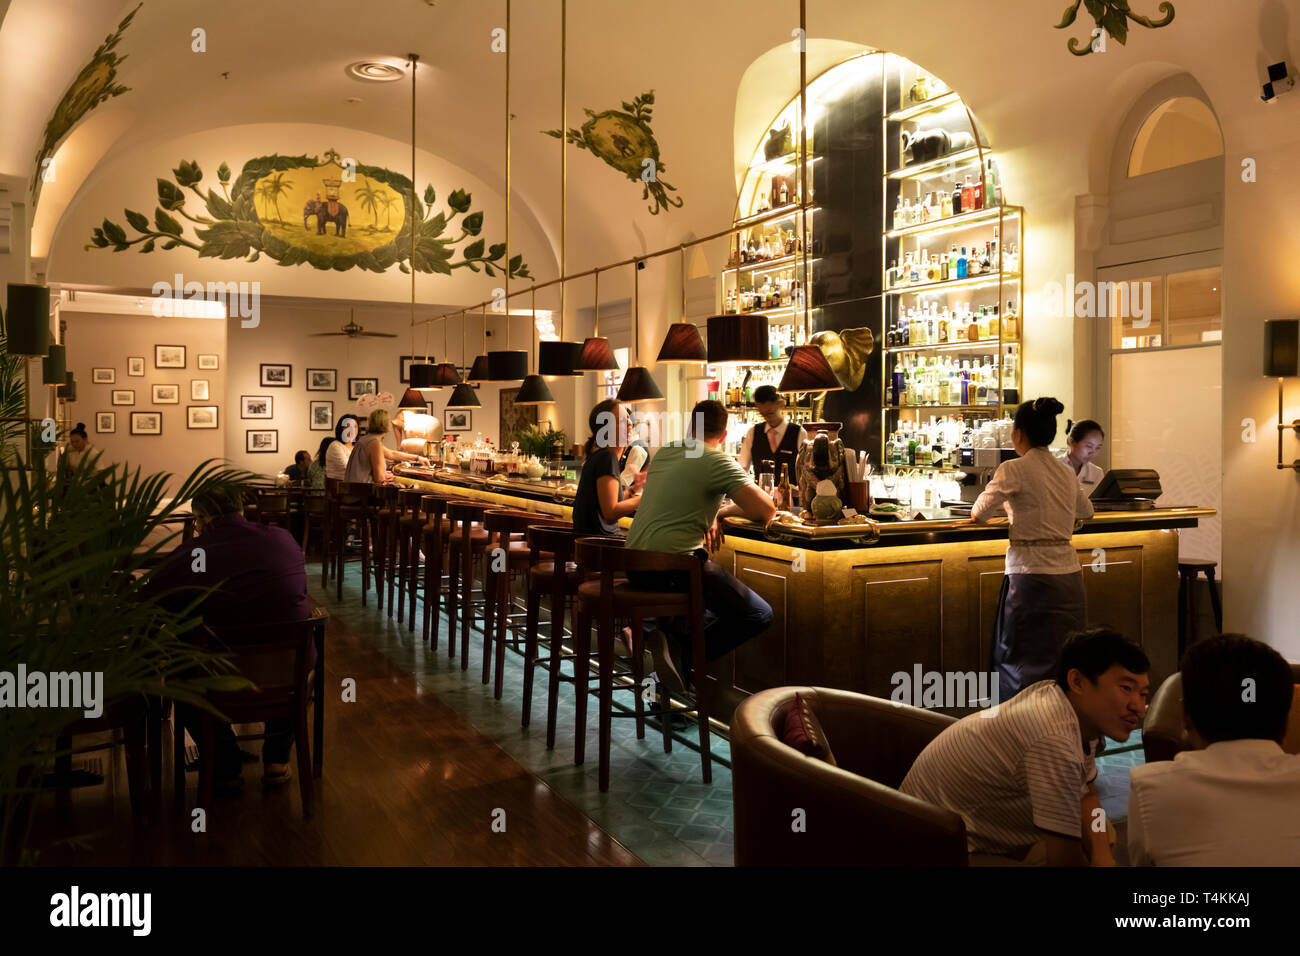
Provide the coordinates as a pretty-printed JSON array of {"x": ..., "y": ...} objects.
[{"x": 1282, "y": 360}]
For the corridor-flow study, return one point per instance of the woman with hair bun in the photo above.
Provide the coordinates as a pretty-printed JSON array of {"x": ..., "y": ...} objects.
[
  {"x": 1042, "y": 600},
  {"x": 78, "y": 448},
  {"x": 1084, "y": 439}
]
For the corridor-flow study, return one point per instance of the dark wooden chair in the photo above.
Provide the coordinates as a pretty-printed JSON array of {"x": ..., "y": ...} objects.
[
  {"x": 610, "y": 596},
  {"x": 468, "y": 538},
  {"x": 129, "y": 715},
  {"x": 432, "y": 540},
  {"x": 276, "y": 657},
  {"x": 333, "y": 491},
  {"x": 1189, "y": 569},
  {"x": 274, "y": 507},
  {"x": 557, "y": 577}
]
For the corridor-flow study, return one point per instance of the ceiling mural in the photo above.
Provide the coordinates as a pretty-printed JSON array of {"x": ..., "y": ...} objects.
[
  {"x": 626, "y": 142},
  {"x": 297, "y": 210},
  {"x": 93, "y": 85}
]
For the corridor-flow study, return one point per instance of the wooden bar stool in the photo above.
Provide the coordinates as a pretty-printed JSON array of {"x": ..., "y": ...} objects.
[
  {"x": 385, "y": 511},
  {"x": 1188, "y": 571},
  {"x": 273, "y": 508},
  {"x": 432, "y": 539},
  {"x": 609, "y": 597},
  {"x": 354, "y": 504},
  {"x": 557, "y": 577},
  {"x": 467, "y": 540},
  {"x": 314, "y": 511},
  {"x": 409, "y": 523},
  {"x": 333, "y": 488}
]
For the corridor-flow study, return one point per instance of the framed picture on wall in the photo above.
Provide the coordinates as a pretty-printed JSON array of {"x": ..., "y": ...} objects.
[
  {"x": 123, "y": 396},
  {"x": 277, "y": 376},
  {"x": 146, "y": 423},
  {"x": 208, "y": 362},
  {"x": 199, "y": 390},
  {"x": 200, "y": 416},
  {"x": 514, "y": 419},
  {"x": 322, "y": 380},
  {"x": 103, "y": 376},
  {"x": 135, "y": 365},
  {"x": 404, "y": 363},
  {"x": 321, "y": 417},
  {"x": 261, "y": 441},
  {"x": 362, "y": 386},
  {"x": 458, "y": 420},
  {"x": 166, "y": 394},
  {"x": 105, "y": 423},
  {"x": 255, "y": 406},
  {"x": 169, "y": 356}
]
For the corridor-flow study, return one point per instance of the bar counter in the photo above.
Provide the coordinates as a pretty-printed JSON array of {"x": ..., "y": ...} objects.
[{"x": 853, "y": 605}]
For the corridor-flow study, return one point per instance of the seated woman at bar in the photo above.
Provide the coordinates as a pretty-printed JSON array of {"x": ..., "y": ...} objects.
[
  {"x": 334, "y": 452},
  {"x": 78, "y": 448},
  {"x": 1085, "y": 439},
  {"x": 370, "y": 457},
  {"x": 599, "y": 501},
  {"x": 1042, "y": 598}
]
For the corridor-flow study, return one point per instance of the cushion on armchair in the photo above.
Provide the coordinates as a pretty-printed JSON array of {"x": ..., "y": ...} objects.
[{"x": 803, "y": 731}]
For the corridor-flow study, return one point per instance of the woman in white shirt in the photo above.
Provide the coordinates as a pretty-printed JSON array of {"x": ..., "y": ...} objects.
[
  {"x": 334, "y": 457},
  {"x": 1085, "y": 439},
  {"x": 1042, "y": 600}
]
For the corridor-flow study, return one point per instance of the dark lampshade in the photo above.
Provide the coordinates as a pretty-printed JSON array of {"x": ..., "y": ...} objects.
[
  {"x": 534, "y": 391},
  {"x": 478, "y": 372},
  {"x": 738, "y": 338},
  {"x": 463, "y": 396},
  {"x": 596, "y": 356},
  {"x": 808, "y": 371},
  {"x": 54, "y": 367},
  {"x": 559, "y": 358},
  {"x": 68, "y": 390},
  {"x": 1281, "y": 347},
  {"x": 445, "y": 376},
  {"x": 27, "y": 320},
  {"x": 422, "y": 375},
  {"x": 683, "y": 345},
  {"x": 639, "y": 386},
  {"x": 507, "y": 365},
  {"x": 412, "y": 399}
]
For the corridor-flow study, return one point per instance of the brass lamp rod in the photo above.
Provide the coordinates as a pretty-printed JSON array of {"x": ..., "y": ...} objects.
[
  {"x": 510, "y": 42},
  {"x": 803, "y": 160},
  {"x": 636, "y": 311},
  {"x": 414, "y": 57},
  {"x": 564, "y": 152}
]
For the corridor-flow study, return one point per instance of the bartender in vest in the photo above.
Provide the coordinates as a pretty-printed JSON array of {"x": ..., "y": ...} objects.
[
  {"x": 773, "y": 442},
  {"x": 1084, "y": 439}
]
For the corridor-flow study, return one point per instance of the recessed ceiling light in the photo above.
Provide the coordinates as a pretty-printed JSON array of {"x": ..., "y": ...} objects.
[{"x": 374, "y": 71}]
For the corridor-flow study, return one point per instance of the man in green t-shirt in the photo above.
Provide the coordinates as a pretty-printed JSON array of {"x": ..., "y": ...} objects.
[{"x": 679, "y": 514}]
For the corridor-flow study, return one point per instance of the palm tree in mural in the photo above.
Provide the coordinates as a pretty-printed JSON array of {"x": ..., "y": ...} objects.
[
  {"x": 264, "y": 193},
  {"x": 388, "y": 201},
  {"x": 276, "y": 187},
  {"x": 370, "y": 199}
]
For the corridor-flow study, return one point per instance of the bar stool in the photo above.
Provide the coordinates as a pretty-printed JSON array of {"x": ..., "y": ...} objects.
[
  {"x": 609, "y": 597},
  {"x": 385, "y": 508},
  {"x": 1188, "y": 570},
  {"x": 314, "y": 511},
  {"x": 432, "y": 539},
  {"x": 273, "y": 508},
  {"x": 559, "y": 577},
  {"x": 333, "y": 488},
  {"x": 354, "y": 504},
  {"x": 409, "y": 523},
  {"x": 467, "y": 539}
]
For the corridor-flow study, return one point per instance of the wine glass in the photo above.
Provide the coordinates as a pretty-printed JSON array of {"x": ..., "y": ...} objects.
[{"x": 888, "y": 480}]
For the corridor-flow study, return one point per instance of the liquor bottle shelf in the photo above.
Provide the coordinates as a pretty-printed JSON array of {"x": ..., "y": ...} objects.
[
  {"x": 788, "y": 211},
  {"x": 965, "y": 220},
  {"x": 932, "y": 167},
  {"x": 986, "y": 407},
  {"x": 933, "y": 104},
  {"x": 771, "y": 265},
  {"x": 979, "y": 345},
  {"x": 988, "y": 279},
  {"x": 780, "y": 313},
  {"x": 788, "y": 161}
]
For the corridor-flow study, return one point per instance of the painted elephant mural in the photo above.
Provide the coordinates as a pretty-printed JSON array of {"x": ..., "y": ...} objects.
[{"x": 326, "y": 211}]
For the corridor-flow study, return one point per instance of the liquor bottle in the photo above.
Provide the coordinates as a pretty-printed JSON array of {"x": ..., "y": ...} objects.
[
  {"x": 945, "y": 388},
  {"x": 899, "y": 215},
  {"x": 931, "y": 268},
  {"x": 978, "y": 193},
  {"x": 968, "y": 195},
  {"x": 992, "y": 187},
  {"x": 957, "y": 207},
  {"x": 943, "y": 267},
  {"x": 986, "y": 264},
  {"x": 945, "y": 204},
  {"x": 913, "y": 271},
  {"x": 963, "y": 264},
  {"x": 1010, "y": 321},
  {"x": 785, "y": 192},
  {"x": 973, "y": 263},
  {"x": 783, "y": 488}
]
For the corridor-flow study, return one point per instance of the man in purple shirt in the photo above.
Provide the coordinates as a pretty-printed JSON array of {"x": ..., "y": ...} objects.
[{"x": 260, "y": 577}]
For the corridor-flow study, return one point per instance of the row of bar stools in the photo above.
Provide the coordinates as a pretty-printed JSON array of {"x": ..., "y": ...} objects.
[
  {"x": 409, "y": 523},
  {"x": 559, "y": 578},
  {"x": 384, "y": 499},
  {"x": 355, "y": 503},
  {"x": 612, "y": 596},
  {"x": 468, "y": 539},
  {"x": 433, "y": 539},
  {"x": 333, "y": 488}
]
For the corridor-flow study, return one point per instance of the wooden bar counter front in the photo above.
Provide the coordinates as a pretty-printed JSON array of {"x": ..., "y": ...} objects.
[{"x": 849, "y": 613}]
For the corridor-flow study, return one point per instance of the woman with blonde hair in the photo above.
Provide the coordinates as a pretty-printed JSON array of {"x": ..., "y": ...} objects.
[{"x": 369, "y": 456}]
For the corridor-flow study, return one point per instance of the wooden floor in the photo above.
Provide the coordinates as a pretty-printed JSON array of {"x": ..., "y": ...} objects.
[{"x": 407, "y": 781}]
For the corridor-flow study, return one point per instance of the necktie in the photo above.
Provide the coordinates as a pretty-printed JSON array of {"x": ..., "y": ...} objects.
[{"x": 771, "y": 437}]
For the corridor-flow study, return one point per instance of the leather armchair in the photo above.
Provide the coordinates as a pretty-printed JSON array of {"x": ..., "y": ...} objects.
[
  {"x": 854, "y": 813},
  {"x": 1163, "y": 735}
]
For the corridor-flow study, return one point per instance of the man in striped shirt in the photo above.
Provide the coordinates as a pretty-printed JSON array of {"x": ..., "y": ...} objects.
[{"x": 1022, "y": 776}]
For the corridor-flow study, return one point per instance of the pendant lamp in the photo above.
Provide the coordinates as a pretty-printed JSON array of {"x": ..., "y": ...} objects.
[
  {"x": 638, "y": 384},
  {"x": 808, "y": 371},
  {"x": 738, "y": 338},
  {"x": 559, "y": 358},
  {"x": 479, "y": 370},
  {"x": 596, "y": 355},
  {"x": 683, "y": 345},
  {"x": 445, "y": 375},
  {"x": 507, "y": 365},
  {"x": 464, "y": 395},
  {"x": 411, "y": 398},
  {"x": 54, "y": 367},
  {"x": 27, "y": 320},
  {"x": 68, "y": 390},
  {"x": 534, "y": 390},
  {"x": 423, "y": 376}
]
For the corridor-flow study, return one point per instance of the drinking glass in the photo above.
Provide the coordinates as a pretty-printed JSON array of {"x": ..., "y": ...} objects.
[
  {"x": 767, "y": 482},
  {"x": 888, "y": 480}
]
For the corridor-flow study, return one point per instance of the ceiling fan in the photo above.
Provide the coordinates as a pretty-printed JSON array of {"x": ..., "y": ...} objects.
[{"x": 353, "y": 331}]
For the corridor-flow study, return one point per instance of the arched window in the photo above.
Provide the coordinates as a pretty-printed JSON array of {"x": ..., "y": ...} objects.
[{"x": 1180, "y": 130}]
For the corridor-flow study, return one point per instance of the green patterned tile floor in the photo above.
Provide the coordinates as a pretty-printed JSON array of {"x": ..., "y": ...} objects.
[{"x": 657, "y": 805}]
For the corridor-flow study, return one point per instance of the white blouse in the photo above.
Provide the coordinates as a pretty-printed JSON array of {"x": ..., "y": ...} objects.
[
  {"x": 1089, "y": 475},
  {"x": 336, "y": 460},
  {"x": 1042, "y": 498}
]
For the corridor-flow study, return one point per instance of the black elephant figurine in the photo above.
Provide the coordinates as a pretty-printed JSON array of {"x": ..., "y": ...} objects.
[
  {"x": 923, "y": 145},
  {"x": 326, "y": 211}
]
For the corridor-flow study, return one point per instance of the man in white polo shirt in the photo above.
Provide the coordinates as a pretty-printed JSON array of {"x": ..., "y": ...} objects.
[
  {"x": 1236, "y": 802},
  {"x": 1022, "y": 776}
]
